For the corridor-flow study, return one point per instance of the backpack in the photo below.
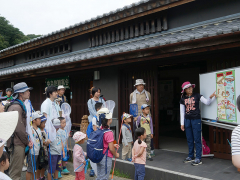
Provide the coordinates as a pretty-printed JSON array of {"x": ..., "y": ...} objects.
[
  {"x": 90, "y": 128},
  {"x": 95, "y": 145},
  {"x": 205, "y": 148}
]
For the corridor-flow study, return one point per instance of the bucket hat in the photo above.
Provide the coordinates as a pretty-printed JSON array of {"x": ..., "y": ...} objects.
[
  {"x": 78, "y": 136},
  {"x": 8, "y": 123},
  {"x": 61, "y": 87},
  {"x": 20, "y": 88},
  {"x": 139, "y": 81},
  {"x": 186, "y": 85}
]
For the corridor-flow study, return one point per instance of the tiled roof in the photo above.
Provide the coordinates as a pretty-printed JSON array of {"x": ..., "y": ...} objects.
[
  {"x": 225, "y": 25},
  {"x": 105, "y": 15}
]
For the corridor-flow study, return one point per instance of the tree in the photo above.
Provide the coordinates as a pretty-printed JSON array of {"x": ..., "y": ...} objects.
[{"x": 10, "y": 36}]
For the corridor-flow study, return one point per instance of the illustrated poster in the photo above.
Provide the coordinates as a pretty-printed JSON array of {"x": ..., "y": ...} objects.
[{"x": 226, "y": 101}]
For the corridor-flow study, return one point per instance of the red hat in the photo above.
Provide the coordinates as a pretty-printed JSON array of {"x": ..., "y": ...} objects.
[{"x": 186, "y": 85}]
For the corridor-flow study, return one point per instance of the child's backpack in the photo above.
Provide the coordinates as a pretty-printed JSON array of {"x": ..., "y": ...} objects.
[
  {"x": 95, "y": 145},
  {"x": 205, "y": 148}
]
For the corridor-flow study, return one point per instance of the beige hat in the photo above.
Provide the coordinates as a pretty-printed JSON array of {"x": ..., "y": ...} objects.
[
  {"x": 139, "y": 81},
  {"x": 8, "y": 123}
]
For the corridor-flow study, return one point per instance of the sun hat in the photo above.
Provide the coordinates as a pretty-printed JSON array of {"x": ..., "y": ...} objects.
[
  {"x": 56, "y": 123},
  {"x": 20, "y": 88},
  {"x": 8, "y": 123},
  {"x": 186, "y": 85},
  {"x": 125, "y": 116},
  {"x": 9, "y": 89},
  {"x": 43, "y": 118},
  {"x": 36, "y": 115},
  {"x": 61, "y": 87},
  {"x": 106, "y": 112},
  {"x": 139, "y": 81},
  {"x": 144, "y": 106},
  {"x": 78, "y": 136}
]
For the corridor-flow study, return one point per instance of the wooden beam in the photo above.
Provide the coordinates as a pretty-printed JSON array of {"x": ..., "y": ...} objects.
[{"x": 39, "y": 43}]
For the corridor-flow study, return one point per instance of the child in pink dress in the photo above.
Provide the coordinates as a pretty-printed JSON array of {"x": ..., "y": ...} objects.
[
  {"x": 139, "y": 153},
  {"x": 79, "y": 155}
]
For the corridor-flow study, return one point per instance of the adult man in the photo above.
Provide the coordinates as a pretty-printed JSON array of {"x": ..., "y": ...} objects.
[
  {"x": 140, "y": 96},
  {"x": 61, "y": 91},
  {"x": 8, "y": 94},
  {"x": 19, "y": 140},
  {"x": 49, "y": 107}
]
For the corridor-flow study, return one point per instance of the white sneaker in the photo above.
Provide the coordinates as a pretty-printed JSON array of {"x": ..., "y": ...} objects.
[{"x": 24, "y": 168}]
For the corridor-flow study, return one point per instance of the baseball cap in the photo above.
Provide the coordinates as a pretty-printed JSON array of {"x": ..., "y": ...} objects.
[
  {"x": 56, "y": 123},
  {"x": 144, "y": 106},
  {"x": 125, "y": 116},
  {"x": 36, "y": 115}
]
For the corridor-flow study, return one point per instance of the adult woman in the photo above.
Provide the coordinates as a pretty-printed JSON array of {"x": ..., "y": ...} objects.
[
  {"x": 191, "y": 120},
  {"x": 96, "y": 92}
]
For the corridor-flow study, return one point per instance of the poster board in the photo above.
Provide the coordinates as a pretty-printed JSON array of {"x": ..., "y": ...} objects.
[{"x": 225, "y": 83}]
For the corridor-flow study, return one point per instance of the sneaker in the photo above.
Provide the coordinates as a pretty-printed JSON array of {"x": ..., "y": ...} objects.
[
  {"x": 65, "y": 171},
  {"x": 196, "y": 162},
  {"x": 92, "y": 173},
  {"x": 153, "y": 154},
  {"x": 188, "y": 159},
  {"x": 24, "y": 168},
  {"x": 59, "y": 175},
  {"x": 150, "y": 158},
  {"x": 129, "y": 159}
]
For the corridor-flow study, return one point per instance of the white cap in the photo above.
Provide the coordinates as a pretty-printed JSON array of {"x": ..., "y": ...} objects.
[
  {"x": 61, "y": 87},
  {"x": 36, "y": 115},
  {"x": 56, "y": 122},
  {"x": 105, "y": 111}
]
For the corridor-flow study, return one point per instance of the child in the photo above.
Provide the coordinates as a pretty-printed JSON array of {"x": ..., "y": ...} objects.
[
  {"x": 56, "y": 149},
  {"x": 79, "y": 155},
  {"x": 108, "y": 138},
  {"x": 46, "y": 142},
  {"x": 139, "y": 153},
  {"x": 145, "y": 121},
  {"x": 37, "y": 143},
  {"x": 64, "y": 136},
  {"x": 4, "y": 165},
  {"x": 95, "y": 120},
  {"x": 127, "y": 139}
]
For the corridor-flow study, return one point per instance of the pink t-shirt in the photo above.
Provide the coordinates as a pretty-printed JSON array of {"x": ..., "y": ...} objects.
[
  {"x": 136, "y": 149},
  {"x": 107, "y": 138}
]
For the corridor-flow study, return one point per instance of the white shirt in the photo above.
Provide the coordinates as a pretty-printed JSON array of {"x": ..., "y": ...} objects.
[
  {"x": 94, "y": 122},
  {"x": 236, "y": 141},
  {"x": 4, "y": 176}
]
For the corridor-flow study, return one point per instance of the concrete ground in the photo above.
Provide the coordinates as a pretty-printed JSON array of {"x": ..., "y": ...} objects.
[{"x": 71, "y": 176}]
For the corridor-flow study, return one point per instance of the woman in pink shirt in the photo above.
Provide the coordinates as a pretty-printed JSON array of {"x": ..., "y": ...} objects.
[
  {"x": 139, "y": 153},
  {"x": 79, "y": 155},
  {"x": 106, "y": 118}
]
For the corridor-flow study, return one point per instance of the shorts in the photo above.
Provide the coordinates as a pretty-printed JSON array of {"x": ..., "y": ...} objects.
[
  {"x": 30, "y": 164},
  {"x": 80, "y": 175},
  {"x": 56, "y": 163}
]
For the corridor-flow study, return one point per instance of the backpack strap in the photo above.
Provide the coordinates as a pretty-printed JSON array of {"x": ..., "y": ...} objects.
[{"x": 127, "y": 127}]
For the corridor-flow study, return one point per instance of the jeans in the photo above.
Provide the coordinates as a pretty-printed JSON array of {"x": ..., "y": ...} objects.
[
  {"x": 193, "y": 129},
  {"x": 101, "y": 168},
  {"x": 139, "y": 171}
]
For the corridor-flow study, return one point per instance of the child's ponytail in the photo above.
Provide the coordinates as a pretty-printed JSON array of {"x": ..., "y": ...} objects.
[{"x": 139, "y": 132}]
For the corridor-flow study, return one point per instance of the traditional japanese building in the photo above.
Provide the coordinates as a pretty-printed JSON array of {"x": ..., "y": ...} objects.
[{"x": 164, "y": 42}]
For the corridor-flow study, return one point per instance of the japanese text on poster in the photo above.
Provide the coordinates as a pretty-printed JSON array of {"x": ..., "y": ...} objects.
[
  {"x": 226, "y": 103},
  {"x": 58, "y": 81}
]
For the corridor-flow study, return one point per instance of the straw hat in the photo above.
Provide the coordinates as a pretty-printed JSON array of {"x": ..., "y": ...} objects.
[{"x": 8, "y": 123}]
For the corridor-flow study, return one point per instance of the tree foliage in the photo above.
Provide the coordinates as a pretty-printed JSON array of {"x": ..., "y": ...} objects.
[{"x": 10, "y": 36}]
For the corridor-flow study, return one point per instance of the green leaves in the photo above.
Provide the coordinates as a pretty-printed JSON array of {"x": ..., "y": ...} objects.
[{"x": 10, "y": 36}]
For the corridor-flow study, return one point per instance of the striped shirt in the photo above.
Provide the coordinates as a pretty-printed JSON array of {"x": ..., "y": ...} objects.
[{"x": 236, "y": 141}]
